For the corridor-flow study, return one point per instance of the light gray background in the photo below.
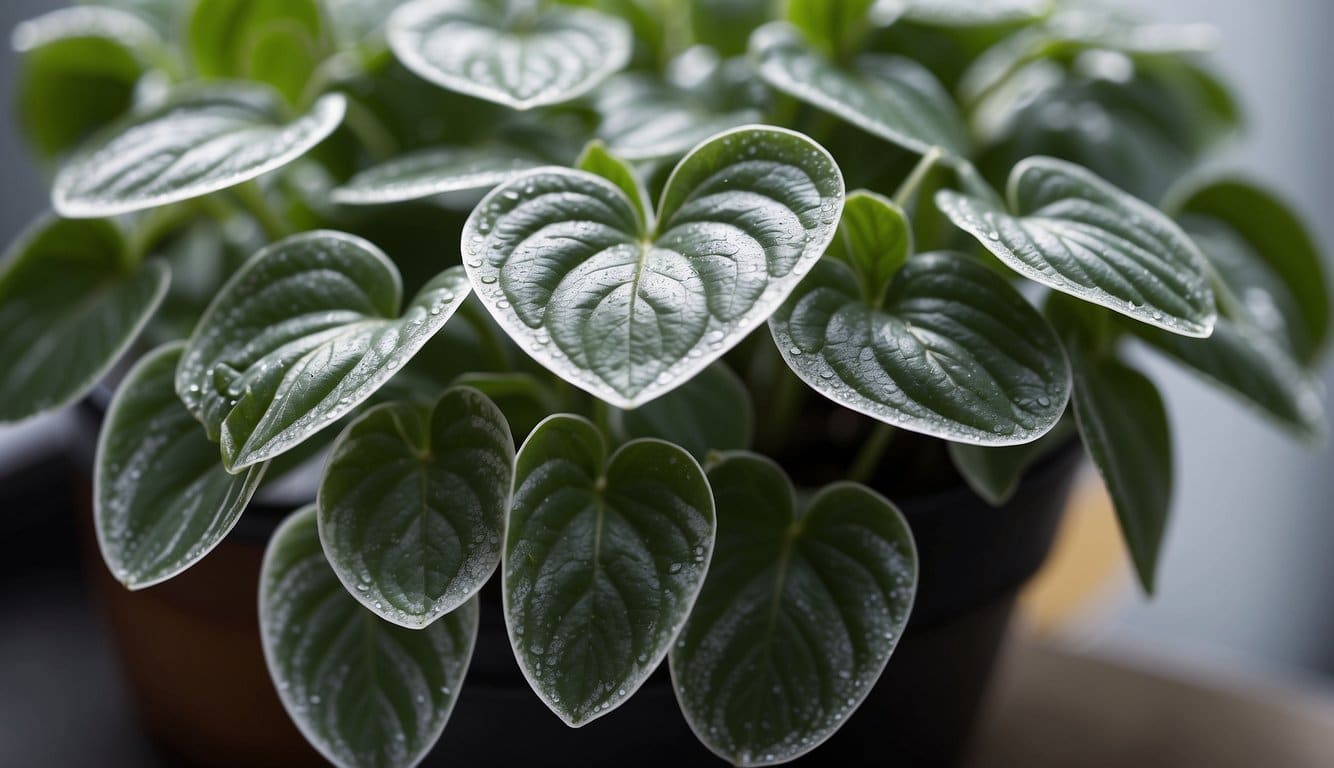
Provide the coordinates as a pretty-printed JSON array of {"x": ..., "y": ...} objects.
[{"x": 1248, "y": 574}]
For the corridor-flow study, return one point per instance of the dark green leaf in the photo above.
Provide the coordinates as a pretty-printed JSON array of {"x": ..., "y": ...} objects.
[
  {"x": 711, "y": 412},
  {"x": 994, "y": 471},
  {"x": 802, "y": 607},
  {"x": 413, "y": 503},
  {"x": 199, "y": 142},
  {"x": 1070, "y": 230},
  {"x": 516, "y": 54},
  {"x": 562, "y": 262},
  {"x": 362, "y": 691},
  {"x": 646, "y": 119},
  {"x": 161, "y": 498},
  {"x": 303, "y": 333},
  {"x": 71, "y": 302},
  {"x": 603, "y": 559}
]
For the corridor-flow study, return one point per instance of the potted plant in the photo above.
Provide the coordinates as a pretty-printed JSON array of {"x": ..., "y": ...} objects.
[{"x": 617, "y": 328}]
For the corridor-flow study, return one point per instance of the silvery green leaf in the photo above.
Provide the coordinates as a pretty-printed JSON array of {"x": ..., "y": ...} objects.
[
  {"x": 161, "y": 498},
  {"x": 1071, "y": 231},
  {"x": 562, "y": 262},
  {"x": 646, "y": 119},
  {"x": 364, "y": 692},
  {"x": 303, "y": 333},
  {"x": 413, "y": 503},
  {"x": 711, "y": 412},
  {"x": 950, "y": 350},
  {"x": 128, "y": 29},
  {"x": 197, "y": 143},
  {"x": 969, "y": 13},
  {"x": 801, "y": 610},
  {"x": 888, "y": 96},
  {"x": 511, "y": 53},
  {"x": 436, "y": 171},
  {"x": 1266, "y": 256},
  {"x": 603, "y": 558},
  {"x": 72, "y": 300}
]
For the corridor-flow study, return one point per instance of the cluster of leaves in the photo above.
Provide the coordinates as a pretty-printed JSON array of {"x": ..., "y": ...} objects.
[{"x": 596, "y": 205}]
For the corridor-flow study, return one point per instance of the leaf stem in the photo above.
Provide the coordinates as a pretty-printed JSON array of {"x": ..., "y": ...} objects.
[
  {"x": 871, "y": 453},
  {"x": 910, "y": 185},
  {"x": 252, "y": 199}
]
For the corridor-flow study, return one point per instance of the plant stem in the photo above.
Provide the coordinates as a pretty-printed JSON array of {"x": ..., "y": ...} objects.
[
  {"x": 252, "y": 199},
  {"x": 910, "y": 185},
  {"x": 873, "y": 450}
]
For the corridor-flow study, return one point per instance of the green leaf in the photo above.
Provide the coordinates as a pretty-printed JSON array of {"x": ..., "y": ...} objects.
[
  {"x": 970, "y": 13},
  {"x": 802, "y": 607},
  {"x": 1254, "y": 366},
  {"x": 413, "y": 502},
  {"x": 164, "y": 15},
  {"x": 197, "y": 143},
  {"x": 161, "y": 499},
  {"x": 278, "y": 42},
  {"x": 711, "y": 412},
  {"x": 436, "y": 171},
  {"x": 1071, "y": 231},
  {"x": 362, "y": 691},
  {"x": 1267, "y": 257},
  {"x": 560, "y": 260},
  {"x": 597, "y": 160},
  {"x": 836, "y": 27},
  {"x": 951, "y": 350},
  {"x": 888, "y": 96},
  {"x": 78, "y": 73},
  {"x": 874, "y": 239},
  {"x": 72, "y": 300},
  {"x": 603, "y": 559},
  {"x": 644, "y": 118},
  {"x": 523, "y": 398},
  {"x": 994, "y": 471},
  {"x": 303, "y": 333},
  {"x": 510, "y": 53}
]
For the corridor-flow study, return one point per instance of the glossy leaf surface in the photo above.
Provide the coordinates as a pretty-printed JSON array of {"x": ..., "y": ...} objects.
[
  {"x": 161, "y": 499},
  {"x": 603, "y": 559},
  {"x": 1071, "y": 231},
  {"x": 413, "y": 504},
  {"x": 429, "y": 172},
  {"x": 646, "y": 119},
  {"x": 71, "y": 302},
  {"x": 362, "y": 691},
  {"x": 521, "y": 57},
  {"x": 800, "y": 612},
  {"x": 197, "y": 143},
  {"x": 309, "y": 328},
  {"x": 561, "y": 261}
]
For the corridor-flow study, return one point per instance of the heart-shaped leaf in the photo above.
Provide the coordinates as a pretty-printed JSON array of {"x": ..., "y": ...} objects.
[
  {"x": 413, "y": 503},
  {"x": 430, "y": 172},
  {"x": 512, "y": 53},
  {"x": 79, "y": 71},
  {"x": 603, "y": 559},
  {"x": 562, "y": 263},
  {"x": 71, "y": 301},
  {"x": 711, "y": 412},
  {"x": 161, "y": 499},
  {"x": 197, "y": 143},
  {"x": 942, "y": 346},
  {"x": 1266, "y": 257},
  {"x": 888, "y": 96},
  {"x": 303, "y": 333},
  {"x": 800, "y": 612},
  {"x": 646, "y": 119},
  {"x": 1071, "y": 231},
  {"x": 362, "y": 691}
]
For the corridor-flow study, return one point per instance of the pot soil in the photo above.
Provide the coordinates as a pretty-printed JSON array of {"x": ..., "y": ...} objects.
[{"x": 192, "y": 653}]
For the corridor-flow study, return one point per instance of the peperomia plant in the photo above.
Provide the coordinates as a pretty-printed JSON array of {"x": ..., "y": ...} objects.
[{"x": 396, "y": 238}]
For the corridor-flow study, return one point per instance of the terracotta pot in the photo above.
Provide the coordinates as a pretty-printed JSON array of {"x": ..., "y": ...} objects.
[{"x": 192, "y": 651}]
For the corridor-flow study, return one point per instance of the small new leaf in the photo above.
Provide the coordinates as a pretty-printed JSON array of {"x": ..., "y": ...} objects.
[
  {"x": 303, "y": 333},
  {"x": 413, "y": 503},
  {"x": 161, "y": 500},
  {"x": 799, "y": 614},
  {"x": 364, "y": 692},
  {"x": 1071, "y": 231},
  {"x": 603, "y": 559}
]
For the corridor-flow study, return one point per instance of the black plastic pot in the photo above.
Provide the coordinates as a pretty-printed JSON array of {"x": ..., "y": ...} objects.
[{"x": 191, "y": 646}]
